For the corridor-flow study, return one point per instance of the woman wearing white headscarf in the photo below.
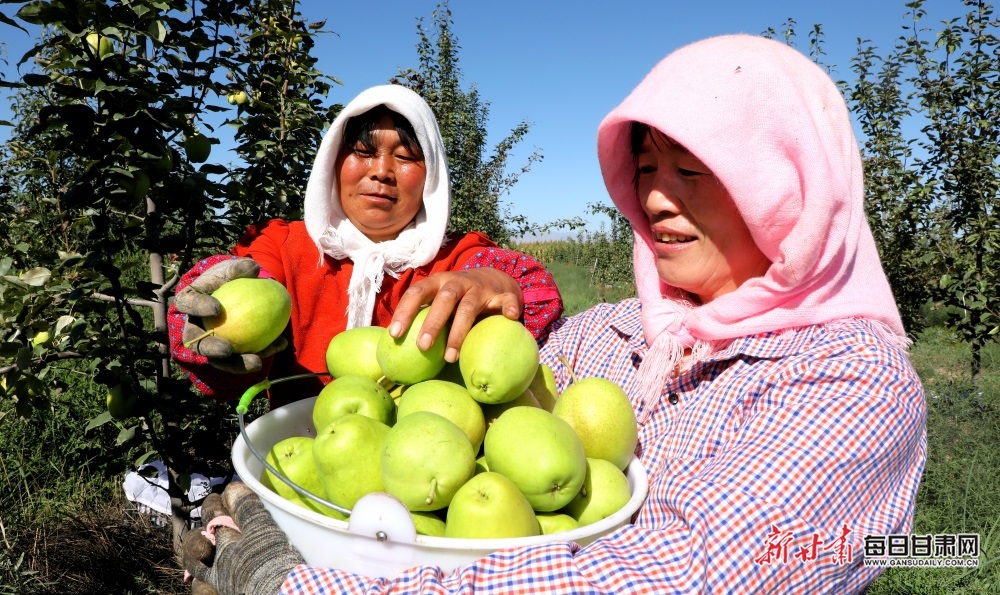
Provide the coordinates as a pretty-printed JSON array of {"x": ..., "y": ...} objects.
[
  {"x": 780, "y": 423},
  {"x": 376, "y": 212}
]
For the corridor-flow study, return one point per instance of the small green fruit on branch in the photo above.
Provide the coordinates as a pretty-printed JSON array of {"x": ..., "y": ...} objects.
[{"x": 100, "y": 45}]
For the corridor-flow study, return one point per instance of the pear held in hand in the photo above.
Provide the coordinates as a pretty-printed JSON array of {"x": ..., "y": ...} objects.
[
  {"x": 499, "y": 359},
  {"x": 254, "y": 313},
  {"x": 403, "y": 362}
]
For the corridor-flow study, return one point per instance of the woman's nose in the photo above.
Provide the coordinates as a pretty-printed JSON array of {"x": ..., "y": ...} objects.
[
  {"x": 660, "y": 201},
  {"x": 382, "y": 167}
]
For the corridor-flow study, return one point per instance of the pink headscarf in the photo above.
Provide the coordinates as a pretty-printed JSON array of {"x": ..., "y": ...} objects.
[{"x": 775, "y": 130}]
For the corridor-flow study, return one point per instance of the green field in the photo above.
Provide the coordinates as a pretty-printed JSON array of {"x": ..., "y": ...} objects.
[
  {"x": 62, "y": 527},
  {"x": 578, "y": 293}
]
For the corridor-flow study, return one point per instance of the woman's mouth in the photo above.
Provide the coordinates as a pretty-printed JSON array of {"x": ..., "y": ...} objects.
[
  {"x": 669, "y": 238},
  {"x": 380, "y": 196}
]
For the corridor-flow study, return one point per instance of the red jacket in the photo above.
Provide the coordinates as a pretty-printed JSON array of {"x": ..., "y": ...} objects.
[{"x": 319, "y": 302}]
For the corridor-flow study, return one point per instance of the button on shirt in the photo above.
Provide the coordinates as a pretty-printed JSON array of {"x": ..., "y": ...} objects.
[{"x": 782, "y": 451}]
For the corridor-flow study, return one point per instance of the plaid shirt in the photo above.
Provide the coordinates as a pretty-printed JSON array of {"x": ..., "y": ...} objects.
[{"x": 768, "y": 463}]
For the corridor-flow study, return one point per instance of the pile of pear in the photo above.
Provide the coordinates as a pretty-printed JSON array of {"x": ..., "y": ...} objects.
[{"x": 485, "y": 447}]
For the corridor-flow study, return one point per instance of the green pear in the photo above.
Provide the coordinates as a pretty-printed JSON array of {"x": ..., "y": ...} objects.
[
  {"x": 499, "y": 359},
  {"x": 353, "y": 394},
  {"x": 447, "y": 399},
  {"x": 403, "y": 362},
  {"x": 347, "y": 455},
  {"x": 293, "y": 458},
  {"x": 601, "y": 414},
  {"x": 492, "y": 412},
  {"x": 489, "y": 506},
  {"x": 428, "y": 523},
  {"x": 197, "y": 147},
  {"x": 425, "y": 459},
  {"x": 543, "y": 387},
  {"x": 555, "y": 522},
  {"x": 121, "y": 400},
  {"x": 605, "y": 491},
  {"x": 254, "y": 313},
  {"x": 540, "y": 453},
  {"x": 100, "y": 45},
  {"x": 353, "y": 352}
]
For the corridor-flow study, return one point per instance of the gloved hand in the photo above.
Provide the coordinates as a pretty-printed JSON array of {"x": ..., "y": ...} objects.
[
  {"x": 252, "y": 559},
  {"x": 196, "y": 301}
]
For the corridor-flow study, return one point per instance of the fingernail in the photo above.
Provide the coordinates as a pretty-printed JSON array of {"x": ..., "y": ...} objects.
[
  {"x": 394, "y": 329},
  {"x": 451, "y": 355},
  {"x": 425, "y": 342}
]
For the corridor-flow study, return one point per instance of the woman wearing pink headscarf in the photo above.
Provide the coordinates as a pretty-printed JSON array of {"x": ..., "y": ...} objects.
[{"x": 780, "y": 421}]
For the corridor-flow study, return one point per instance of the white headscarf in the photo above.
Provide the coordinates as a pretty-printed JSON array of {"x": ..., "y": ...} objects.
[{"x": 333, "y": 232}]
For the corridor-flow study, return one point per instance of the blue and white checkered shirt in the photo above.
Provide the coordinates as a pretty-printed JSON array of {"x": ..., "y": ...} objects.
[{"x": 768, "y": 463}]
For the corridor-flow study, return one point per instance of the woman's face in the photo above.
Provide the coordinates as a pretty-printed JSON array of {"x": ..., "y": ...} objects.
[
  {"x": 381, "y": 187},
  {"x": 701, "y": 243}
]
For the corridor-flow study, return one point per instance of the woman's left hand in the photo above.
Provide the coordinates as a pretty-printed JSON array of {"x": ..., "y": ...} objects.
[{"x": 462, "y": 297}]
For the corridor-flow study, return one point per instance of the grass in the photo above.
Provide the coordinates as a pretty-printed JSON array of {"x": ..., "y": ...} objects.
[
  {"x": 65, "y": 527},
  {"x": 579, "y": 293},
  {"x": 958, "y": 491}
]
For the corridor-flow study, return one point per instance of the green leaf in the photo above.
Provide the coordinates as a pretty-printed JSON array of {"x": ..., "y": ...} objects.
[
  {"x": 37, "y": 276},
  {"x": 145, "y": 457},
  {"x": 157, "y": 31},
  {"x": 36, "y": 80},
  {"x": 64, "y": 321},
  {"x": 6, "y": 19},
  {"x": 98, "y": 421},
  {"x": 34, "y": 13},
  {"x": 125, "y": 435}
]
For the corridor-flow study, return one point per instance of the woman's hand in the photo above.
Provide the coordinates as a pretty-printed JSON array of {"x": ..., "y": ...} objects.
[
  {"x": 196, "y": 301},
  {"x": 240, "y": 550},
  {"x": 462, "y": 296}
]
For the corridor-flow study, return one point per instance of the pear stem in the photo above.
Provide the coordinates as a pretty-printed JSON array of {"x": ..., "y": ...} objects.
[
  {"x": 430, "y": 497},
  {"x": 565, "y": 362},
  {"x": 208, "y": 333}
]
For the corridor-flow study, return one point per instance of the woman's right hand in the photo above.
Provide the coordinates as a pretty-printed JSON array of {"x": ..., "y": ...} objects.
[
  {"x": 460, "y": 297},
  {"x": 196, "y": 302}
]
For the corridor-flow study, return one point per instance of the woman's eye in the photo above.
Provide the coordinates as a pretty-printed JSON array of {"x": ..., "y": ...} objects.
[
  {"x": 646, "y": 169},
  {"x": 688, "y": 173}
]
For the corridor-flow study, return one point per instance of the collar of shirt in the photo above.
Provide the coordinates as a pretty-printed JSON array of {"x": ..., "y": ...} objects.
[{"x": 767, "y": 345}]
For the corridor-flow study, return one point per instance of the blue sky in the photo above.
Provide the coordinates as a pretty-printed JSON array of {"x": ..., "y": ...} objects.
[{"x": 563, "y": 66}]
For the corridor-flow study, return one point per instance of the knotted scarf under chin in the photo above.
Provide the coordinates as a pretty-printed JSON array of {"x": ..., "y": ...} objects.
[
  {"x": 371, "y": 261},
  {"x": 668, "y": 339}
]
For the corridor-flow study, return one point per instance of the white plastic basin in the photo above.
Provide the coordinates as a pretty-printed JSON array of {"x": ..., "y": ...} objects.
[{"x": 379, "y": 540}]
